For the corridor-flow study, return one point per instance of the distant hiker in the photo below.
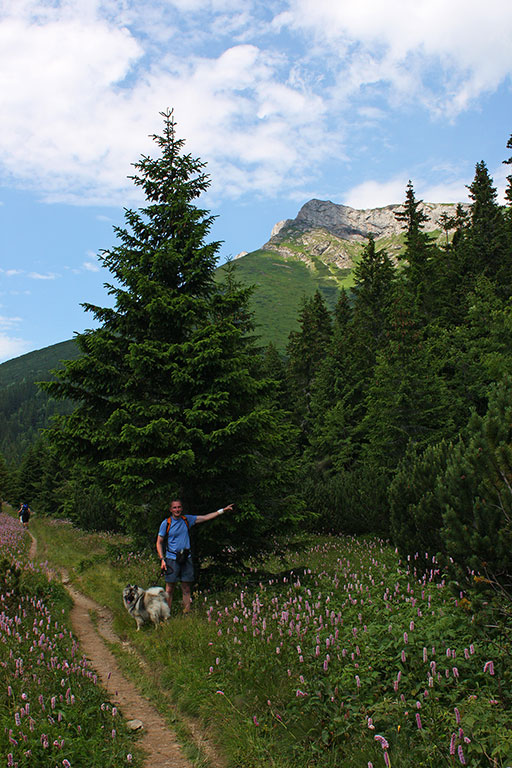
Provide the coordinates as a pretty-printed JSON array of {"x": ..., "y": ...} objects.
[
  {"x": 173, "y": 547},
  {"x": 24, "y": 513}
]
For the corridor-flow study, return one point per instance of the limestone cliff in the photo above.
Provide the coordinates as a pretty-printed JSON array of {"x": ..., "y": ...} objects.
[{"x": 335, "y": 233}]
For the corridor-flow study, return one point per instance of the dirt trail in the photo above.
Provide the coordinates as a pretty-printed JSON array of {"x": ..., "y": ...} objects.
[{"x": 159, "y": 742}]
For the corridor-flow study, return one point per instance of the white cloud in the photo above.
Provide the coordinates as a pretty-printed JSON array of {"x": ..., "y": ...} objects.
[
  {"x": 91, "y": 266},
  {"x": 40, "y": 276},
  {"x": 11, "y": 272},
  {"x": 83, "y": 93},
  {"x": 463, "y": 46},
  {"x": 83, "y": 81},
  {"x": 377, "y": 194},
  {"x": 8, "y": 322},
  {"x": 12, "y": 347},
  {"x": 450, "y": 192}
]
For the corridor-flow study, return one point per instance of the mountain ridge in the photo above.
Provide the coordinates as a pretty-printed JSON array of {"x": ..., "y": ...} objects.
[{"x": 347, "y": 224}]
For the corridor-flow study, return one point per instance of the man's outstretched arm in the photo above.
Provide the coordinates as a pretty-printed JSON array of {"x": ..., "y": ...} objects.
[{"x": 213, "y": 515}]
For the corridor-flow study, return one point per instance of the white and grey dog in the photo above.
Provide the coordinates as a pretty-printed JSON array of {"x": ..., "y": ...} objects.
[{"x": 146, "y": 604}]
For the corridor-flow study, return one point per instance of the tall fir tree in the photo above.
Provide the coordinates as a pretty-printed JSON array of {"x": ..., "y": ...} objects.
[
  {"x": 306, "y": 349},
  {"x": 167, "y": 399},
  {"x": 508, "y": 161},
  {"x": 407, "y": 399},
  {"x": 330, "y": 446},
  {"x": 344, "y": 377},
  {"x": 418, "y": 243},
  {"x": 419, "y": 249},
  {"x": 5, "y": 480},
  {"x": 508, "y": 199},
  {"x": 28, "y": 477},
  {"x": 487, "y": 242}
]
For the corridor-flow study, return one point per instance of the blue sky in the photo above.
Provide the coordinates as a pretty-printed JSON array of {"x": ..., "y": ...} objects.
[{"x": 292, "y": 99}]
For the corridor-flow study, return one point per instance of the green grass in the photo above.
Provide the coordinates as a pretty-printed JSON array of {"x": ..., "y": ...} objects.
[
  {"x": 304, "y": 669},
  {"x": 280, "y": 287},
  {"x": 53, "y": 711}
]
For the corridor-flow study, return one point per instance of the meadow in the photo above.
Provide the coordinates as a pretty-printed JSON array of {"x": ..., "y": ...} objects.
[
  {"x": 53, "y": 712},
  {"x": 341, "y": 655}
]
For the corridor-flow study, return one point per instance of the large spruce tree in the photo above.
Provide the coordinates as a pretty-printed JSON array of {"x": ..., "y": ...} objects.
[
  {"x": 167, "y": 396},
  {"x": 487, "y": 244},
  {"x": 306, "y": 349},
  {"x": 418, "y": 255}
]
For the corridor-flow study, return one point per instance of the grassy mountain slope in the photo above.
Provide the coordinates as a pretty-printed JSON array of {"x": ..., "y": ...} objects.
[
  {"x": 280, "y": 285},
  {"x": 24, "y": 409},
  {"x": 35, "y": 366},
  {"x": 282, "y": 279}
]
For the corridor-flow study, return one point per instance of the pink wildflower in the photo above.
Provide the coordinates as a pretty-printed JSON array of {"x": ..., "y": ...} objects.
[{"x": 489, "y": 667}]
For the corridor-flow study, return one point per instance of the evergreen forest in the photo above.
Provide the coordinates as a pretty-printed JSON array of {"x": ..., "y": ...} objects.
[{"x": 390, "y": 415}]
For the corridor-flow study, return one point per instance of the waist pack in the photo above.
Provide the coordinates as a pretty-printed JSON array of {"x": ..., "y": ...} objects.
[{"x": 182, "y": 555}]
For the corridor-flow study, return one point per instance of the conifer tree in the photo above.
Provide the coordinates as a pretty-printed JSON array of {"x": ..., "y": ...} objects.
[
  {"x": 508, "y": 198},
  {"x": 418, "y": 243},
  {"x": 451, "y": 275},
  {"x": 460, "y": 224},
  {"x": 167, "y": 398},
  {"x": 487, "y": 239},
  {"x": 373, "y": 291},
  {"x": 329, "y": 447},
  {"x": 29, "y": 474},
  {"x": 272, "y": 367},
  {"x": 476, "y": 494},
  {"x": 419, "y": 249},
  {"x": 508, "y": 191},
  {"x": 306, "y": 349},
  {"x": 407, "y": 400},
  {"x": 50, "y": 496},
  {"x": 5, "y": 482},
  {"x": 415, "y": 512},
  {"x": 372, "y": 294}
]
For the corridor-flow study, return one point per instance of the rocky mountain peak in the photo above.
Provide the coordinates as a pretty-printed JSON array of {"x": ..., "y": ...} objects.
[
  {"x": 329, "y": 231},
  {"x": 356, "y": 224}
]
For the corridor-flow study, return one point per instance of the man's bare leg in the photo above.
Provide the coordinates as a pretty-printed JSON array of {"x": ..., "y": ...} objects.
[
  {"x": 186, "y": 589},
  {"x": 169, "y": 589}
]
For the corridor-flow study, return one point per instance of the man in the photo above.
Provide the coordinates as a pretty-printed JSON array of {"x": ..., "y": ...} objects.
[
  {"x": 24, "y": 514},
  {"x": 176, "y": 561}
]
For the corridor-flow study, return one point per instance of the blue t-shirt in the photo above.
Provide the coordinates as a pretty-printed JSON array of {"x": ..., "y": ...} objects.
[{"x": 178, "y": 534}]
